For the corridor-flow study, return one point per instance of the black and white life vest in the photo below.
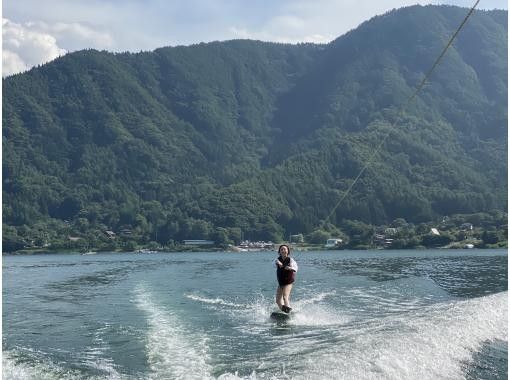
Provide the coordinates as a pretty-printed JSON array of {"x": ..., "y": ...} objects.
[{"x": 286, "y": 276}]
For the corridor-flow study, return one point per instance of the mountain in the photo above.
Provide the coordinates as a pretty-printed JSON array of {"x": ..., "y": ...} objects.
[{"x": 258, "y": 140}]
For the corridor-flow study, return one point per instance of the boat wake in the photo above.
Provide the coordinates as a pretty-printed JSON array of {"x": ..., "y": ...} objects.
[
  {"x": 173, "y": 350},
  {"x": 437, "y": 342}
]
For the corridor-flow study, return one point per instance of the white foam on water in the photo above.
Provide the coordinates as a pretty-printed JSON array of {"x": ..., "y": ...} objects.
[
  {"x": 313, "y": 311},
  {"x": 106, "y": 365},
  {"x": 12, "y": 369},
  {"x": 252, "y": 376},
  {"x": 306, "y": 312},
  {"x": 431, "y": 342},
  {"x": 395, "y": 299},
  {"x": 435, "y": 342},
  {"x": 213, "y": 301},
  {"x": 256, "y": 310},
  {"x": 25, "y": 366},
  {"x": 96, "y": 357},
  {"x": 259, "y": 309},
  {"x": 15, "y": 367},
  {"x": 317, "y": 315},
  {"x": 316, "y": 298},
  {"x": 173, "y": 351}
]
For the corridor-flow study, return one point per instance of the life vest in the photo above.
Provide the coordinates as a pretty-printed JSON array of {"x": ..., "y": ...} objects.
[{"x": 285, "y": 276}]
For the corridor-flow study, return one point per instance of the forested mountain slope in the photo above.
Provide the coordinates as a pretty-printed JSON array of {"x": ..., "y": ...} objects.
[{"x": 255, "y": 139}]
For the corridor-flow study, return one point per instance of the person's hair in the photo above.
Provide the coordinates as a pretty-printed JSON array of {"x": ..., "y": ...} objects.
[{"x": 284, "y": 245}]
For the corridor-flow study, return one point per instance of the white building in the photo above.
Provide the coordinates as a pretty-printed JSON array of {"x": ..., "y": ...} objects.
[{"x": 332, "y": 243}]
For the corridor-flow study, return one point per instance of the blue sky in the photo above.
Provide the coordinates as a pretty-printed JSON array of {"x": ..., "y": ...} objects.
[{"x": 35, "y": 31}]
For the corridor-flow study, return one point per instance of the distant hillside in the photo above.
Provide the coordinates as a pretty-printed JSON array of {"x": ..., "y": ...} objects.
[{"x": 258, "y": 140}]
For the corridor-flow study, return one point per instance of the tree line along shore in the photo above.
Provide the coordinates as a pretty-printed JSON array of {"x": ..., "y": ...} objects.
[{"x": 480, "y": 230}]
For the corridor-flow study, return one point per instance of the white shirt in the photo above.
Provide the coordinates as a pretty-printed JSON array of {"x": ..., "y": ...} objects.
[{"x": 292, "y": 264}]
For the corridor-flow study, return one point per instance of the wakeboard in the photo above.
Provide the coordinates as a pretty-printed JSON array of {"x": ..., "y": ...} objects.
[{"x": 280, "y": 316}]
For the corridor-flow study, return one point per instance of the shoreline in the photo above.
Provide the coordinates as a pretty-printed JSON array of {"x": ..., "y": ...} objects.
[{"x": 295, "y": 249}]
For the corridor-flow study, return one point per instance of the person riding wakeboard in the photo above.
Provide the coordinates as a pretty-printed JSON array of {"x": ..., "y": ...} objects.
[{"x": 286, "y": 268}]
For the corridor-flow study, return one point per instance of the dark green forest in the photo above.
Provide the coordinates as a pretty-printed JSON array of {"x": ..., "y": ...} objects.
[{"x": 254, "y": 140}]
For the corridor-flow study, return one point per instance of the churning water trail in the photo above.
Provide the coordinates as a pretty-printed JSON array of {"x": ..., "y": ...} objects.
[
  {"x": 436, "y": 342},
  {"x": 431, "y": 342},
  {"x": 173, "y": 350}
]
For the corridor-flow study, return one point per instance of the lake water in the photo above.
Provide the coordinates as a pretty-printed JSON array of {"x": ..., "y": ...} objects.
[{"x": 432, "y": 314}]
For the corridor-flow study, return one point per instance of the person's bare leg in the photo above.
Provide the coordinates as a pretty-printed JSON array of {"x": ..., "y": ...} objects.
[
  {"x": 286, "y": 294},
  {"x": 279, "y": 297}
]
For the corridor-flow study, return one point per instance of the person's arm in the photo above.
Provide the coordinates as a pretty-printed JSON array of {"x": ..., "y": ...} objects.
[
  {"x": 292, "y": 265},
  {"x": 278, "y": 263}
]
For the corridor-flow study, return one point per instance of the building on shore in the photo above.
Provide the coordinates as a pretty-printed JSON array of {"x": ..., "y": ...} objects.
[{"x": 197, "y": 242}]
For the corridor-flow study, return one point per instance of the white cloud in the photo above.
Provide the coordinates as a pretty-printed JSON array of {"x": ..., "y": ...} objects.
[
  {"x": 75, "y": 36},
  {"x": 12, "y": 63},
  {"x": 289, "y": 28},
  {"x": 319, "y": 21},
  {"x": 243, "y": 33},
  {"x": 23, "y": 47},
  {"x": 36, "y": 42}
]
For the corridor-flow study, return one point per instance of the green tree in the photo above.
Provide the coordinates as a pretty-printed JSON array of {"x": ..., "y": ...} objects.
[
  {"x": 318, "y": 237},
  {"x": 490, "y": 237},
  {"x": 436, "y": 240},
  {"x": 220, "y": 237}
]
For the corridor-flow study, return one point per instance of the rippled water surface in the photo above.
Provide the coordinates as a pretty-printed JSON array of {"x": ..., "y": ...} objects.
[{"x": 357, "y": 315}]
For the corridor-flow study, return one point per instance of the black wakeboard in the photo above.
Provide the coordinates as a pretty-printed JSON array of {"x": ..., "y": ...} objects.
[{"x": 280, "y": 316}]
